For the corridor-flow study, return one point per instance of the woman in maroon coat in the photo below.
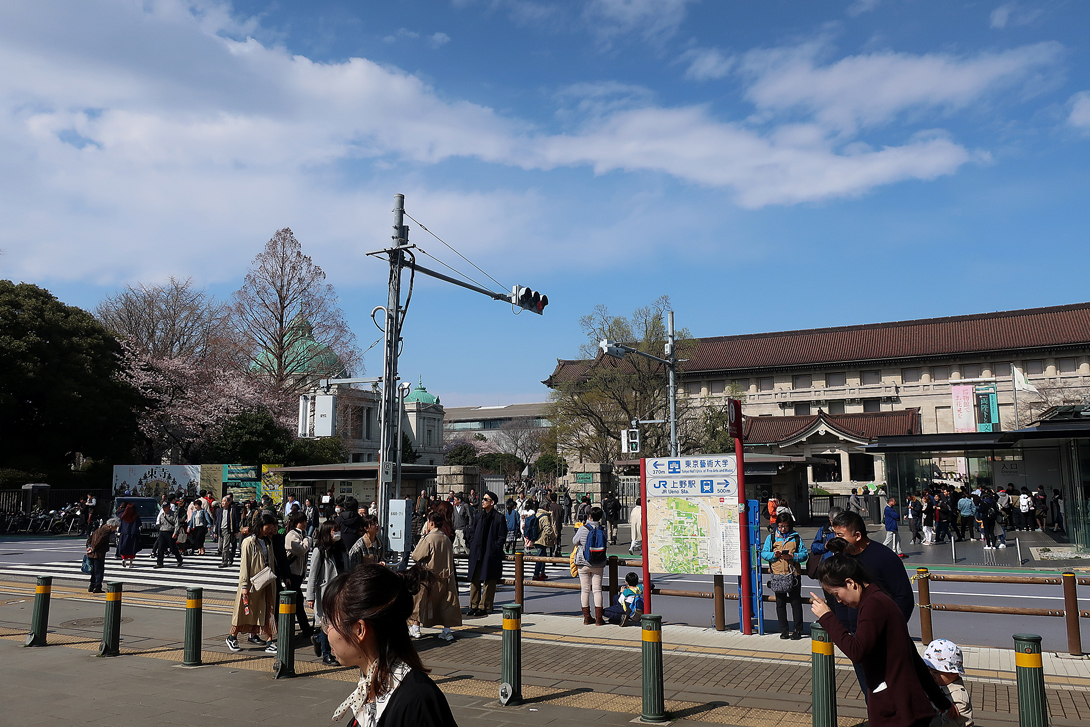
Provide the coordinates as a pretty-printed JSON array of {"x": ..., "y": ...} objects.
[{"x": 900, "y": 690}]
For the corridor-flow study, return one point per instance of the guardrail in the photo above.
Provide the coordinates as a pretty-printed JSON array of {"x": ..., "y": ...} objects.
[{"x": 1070, "y": 611}]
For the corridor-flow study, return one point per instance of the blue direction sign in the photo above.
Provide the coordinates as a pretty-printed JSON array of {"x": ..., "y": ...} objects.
[{"x": 709, "y": 475}]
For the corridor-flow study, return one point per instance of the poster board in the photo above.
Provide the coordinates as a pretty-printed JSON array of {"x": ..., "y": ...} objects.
[
  {"x": 242, "y": 481},
  {"x": 155, "y": 480},
  {"x": 692, "y": 515},
  {"x": 272, "y": 484}
]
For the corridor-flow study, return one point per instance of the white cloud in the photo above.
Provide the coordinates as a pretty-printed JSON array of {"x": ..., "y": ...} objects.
[
  {"x": 862, "y": 6},
  {"x": 867, "y": 90},
  {"x": 1012, "y": 14},
  {"x": 707, "y": 64},
  {"x": 1080, "y": 111},
  {"x": 439, "y": 39},
  {"x": 652, "y": 19},
  {"x": 141, "y": 140}
]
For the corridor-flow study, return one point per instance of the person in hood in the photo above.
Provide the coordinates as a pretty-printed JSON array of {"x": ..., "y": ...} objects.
[{"x": 350, "y": 522}]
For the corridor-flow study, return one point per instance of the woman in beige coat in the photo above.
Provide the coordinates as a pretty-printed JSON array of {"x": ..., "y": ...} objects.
[
  {"x": 437, "y": 605},
  {"x": 255, "y": 608}
]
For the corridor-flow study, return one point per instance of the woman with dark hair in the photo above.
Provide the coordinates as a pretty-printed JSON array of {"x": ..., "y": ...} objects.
[
  {"x": 784, "y": 551},
  {"x": 590, "y": 573},
  {"x": 365, "y": 621},
  {"x": 438, "y": 605},
  {"x": 327, "y": 561},
  {"x": 900, "y": 690},
  {"x": 255, "y": 598},
  {"x": 128, "y": 535},
  {"x": 368, "y": 549}
]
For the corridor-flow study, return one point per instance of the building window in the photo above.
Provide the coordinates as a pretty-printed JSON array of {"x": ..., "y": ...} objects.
[
  {"x": 801, "y": 381},
  {"x": 970, "y": 371},
  {"x": 692, "y": 388},
  {"x": 802, "y": 409},
  {"x": 910, "y": 376},
  {"x": 836, "y": 378},
  {"x": 717, "y": 387},
  {"x": 836, "y": 407},
  {"x": 429, "y": 438},
  {"x": 1068, "y": 365},
  {"x": 1002, "y": 370},
  {"x": 1035, "y": 367},
  {"x": 940, "y": 373},
  {"x": 367, "y": 422},
  {"x": 872, "y": 405},
  {"x": 766, "y": 383},
  {"x": 869, "y": 378},
  {"x": 740, "y": 385}
]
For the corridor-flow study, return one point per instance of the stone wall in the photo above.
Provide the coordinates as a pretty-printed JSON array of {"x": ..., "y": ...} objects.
[
  {"x": 600, "y": 478},
  {"x": 457, "y": 478}
]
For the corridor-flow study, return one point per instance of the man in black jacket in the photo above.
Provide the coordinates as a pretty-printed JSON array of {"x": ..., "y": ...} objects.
[
  {"x": 350, "y": 522},
  {"x": 611, "y": 506},
  {"x": 486, "y": 556},
  {"x": 228, "y": 522}
]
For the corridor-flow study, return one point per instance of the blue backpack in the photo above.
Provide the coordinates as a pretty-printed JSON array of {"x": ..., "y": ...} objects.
[
  {"x": 530, "y": 528},
  {"x": 594, "y": 550}
]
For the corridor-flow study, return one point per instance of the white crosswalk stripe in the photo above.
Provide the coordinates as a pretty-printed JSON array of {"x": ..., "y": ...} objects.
[{"x": 200, "y": 571}]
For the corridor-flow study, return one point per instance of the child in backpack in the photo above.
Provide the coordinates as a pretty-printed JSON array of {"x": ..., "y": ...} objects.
[
  {"x": 944, "y": 660},
  {"x": 590, "y": 561},
  {"x": 629, "y": 604}
]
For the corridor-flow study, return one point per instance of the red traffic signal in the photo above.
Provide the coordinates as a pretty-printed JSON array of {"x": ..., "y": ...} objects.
[{"x": 530, "y": 300}]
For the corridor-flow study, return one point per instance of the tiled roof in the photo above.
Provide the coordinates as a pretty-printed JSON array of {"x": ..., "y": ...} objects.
[
  {"x": 773, "y": 430},
  {"x": 482, "y": 413},
  {"x": 986, "y": 333}
]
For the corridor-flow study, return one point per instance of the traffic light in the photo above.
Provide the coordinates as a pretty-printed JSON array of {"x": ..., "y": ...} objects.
[
  {"x": 530, "y": 300},
  {"x": 630, "y": 441}
]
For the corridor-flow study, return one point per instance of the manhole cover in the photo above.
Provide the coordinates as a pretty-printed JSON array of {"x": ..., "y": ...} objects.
[{"x": 86, "y": 623}]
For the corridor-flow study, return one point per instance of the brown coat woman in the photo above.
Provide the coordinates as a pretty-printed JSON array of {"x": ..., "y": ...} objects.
[
  {"x": 257, "y": 553},
  {"x": 437, "y": 605}
]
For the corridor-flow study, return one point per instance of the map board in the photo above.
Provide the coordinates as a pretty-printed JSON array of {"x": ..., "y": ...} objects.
[{"x": 692, "y": 515}]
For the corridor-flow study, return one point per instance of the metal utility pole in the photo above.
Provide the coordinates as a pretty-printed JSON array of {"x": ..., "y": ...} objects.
[
  {"x": 389, "y": 421},
  {"x": 618, "y": 350}
]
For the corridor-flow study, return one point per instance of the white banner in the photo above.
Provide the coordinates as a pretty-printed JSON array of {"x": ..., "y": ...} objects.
[{"x": 964, "y": 408}]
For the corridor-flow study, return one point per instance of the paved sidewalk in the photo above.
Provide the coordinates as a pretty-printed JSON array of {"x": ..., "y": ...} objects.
[{"x": 723, "y": 678}]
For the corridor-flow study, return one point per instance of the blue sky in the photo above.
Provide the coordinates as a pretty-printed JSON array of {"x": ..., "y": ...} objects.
[{"x": 769, "y": 166}]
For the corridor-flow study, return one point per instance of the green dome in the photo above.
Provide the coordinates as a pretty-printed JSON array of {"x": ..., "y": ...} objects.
[
  {"x": 305, "y": 356},
  {"x": 420, "y": 395}
]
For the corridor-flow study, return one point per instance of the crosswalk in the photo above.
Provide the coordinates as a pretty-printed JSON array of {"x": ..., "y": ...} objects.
[{"x": 200, "y": 571}]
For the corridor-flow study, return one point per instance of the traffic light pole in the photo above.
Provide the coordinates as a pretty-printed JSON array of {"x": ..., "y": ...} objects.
[
  {"x": 389, "y": 420},
  {"x": 400, "y": 258}
]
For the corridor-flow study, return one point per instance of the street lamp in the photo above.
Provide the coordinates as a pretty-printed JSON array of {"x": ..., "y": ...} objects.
[{"x": 617, "y": 349}]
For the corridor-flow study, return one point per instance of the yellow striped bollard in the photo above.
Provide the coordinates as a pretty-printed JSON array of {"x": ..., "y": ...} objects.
[
  {"x": 194, "y": 601},
  {"x": 111, "y": 627},
  {"x": 39, "y": 623},
  {"x": 654, "y": 698},
  {"x": 511, "y": 665},
  {"x": 1032, "y": 705},
  {"x": 284, "y": 665},
  {"x": 822, "y": 677}
]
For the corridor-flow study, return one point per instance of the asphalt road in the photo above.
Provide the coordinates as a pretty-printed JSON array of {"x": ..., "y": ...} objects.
[{"x": 17, "y": 553}]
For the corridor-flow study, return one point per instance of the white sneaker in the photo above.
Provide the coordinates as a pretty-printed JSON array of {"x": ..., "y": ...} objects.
[
  {"x": 447, "y": 634},
  {"x": 271, "y": 648},
  {"x": 414, "y": 631},
  {"x": 1002, "y": 545}
]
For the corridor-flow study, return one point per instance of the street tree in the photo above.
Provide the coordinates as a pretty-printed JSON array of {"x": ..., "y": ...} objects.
[
  {"x": 287, "y": 319},
  {"x": 463, "y": 455},
  {"x": 601, "y": 396},
  {"x": 168, "y": 321},
  {"x": 713, "y": 430},
  {"x": 521, "y": 436},
  {"x": 62, "y": 393},
  {"x": 256, "y": 436}
]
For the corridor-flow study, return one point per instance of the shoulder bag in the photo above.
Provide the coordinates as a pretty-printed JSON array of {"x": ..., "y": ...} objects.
[
  {"x": 263, "y": 577},
  {"x": 784, "y": 582}
]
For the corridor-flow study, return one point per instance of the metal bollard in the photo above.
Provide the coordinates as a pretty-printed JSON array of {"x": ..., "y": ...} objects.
[
  {"x": 823, "y": 677},
  {"x": 717, "y": 597},
  {"x": 520, "y": 575},
  {"x": 1071, "y": 613},
  {"x": 654, "y": 699},
  {"x": 614, "y": 585},
  {"x": 194, "y": 598},
  {"x": 511, "y": 668},
  {"x": 111, "y": 629},
  {"x": 284, "y": 665},
  {"x": 1032, "y": 704},
  {"x": 923, "y": 587},
  {"x": 39, "y": 624}
]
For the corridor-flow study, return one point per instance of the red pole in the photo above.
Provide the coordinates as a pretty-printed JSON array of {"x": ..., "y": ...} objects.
[
  {"x": 643, "y": 535},
  {"x": 747, "y": 590}
]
